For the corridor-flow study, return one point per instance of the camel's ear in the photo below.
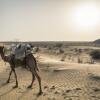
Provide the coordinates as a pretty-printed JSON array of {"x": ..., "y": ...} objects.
[{"x": 1, "y": 48}]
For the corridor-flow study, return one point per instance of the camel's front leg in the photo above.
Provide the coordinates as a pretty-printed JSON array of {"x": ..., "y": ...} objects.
[
  {"x": 9, "y": 76},
  {"x": 15, "y": 78}
]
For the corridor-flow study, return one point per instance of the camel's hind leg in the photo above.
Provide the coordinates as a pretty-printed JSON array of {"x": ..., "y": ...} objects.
[
  {"x": 33, "y": 68},
  {"x": 33, "y": 78},
  {"x": 9, "y": 76},
  {"x": 34, "y": 72},
  {"x": 39, "y": 81}
]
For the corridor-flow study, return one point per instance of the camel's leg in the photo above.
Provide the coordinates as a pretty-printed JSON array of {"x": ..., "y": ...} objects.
[
  {"x": 39, "y": 81},
  {"x": 33, "y": 78},
  {"x": 15, "y": 78},
  {"x": 9, "y": 76},
  {"x": 31, "y": 65}
]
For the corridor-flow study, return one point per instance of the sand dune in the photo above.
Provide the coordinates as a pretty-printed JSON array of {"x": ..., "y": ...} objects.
[{"x": 60, "y": 81}]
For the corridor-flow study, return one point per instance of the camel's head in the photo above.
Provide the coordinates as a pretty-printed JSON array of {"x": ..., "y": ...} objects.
[{"x": 1, "y": 49}]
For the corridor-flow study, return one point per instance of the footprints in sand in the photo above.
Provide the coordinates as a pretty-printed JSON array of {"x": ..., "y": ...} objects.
[
  {"x": 57, "y": 93},
  {"x": 96, "y": 90}
]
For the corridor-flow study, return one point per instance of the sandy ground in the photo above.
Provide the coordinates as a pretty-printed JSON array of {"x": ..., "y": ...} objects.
[{"x": 60, "y": 81}]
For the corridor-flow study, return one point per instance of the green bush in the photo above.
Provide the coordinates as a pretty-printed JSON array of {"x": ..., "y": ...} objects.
[{"x": 95, "y": 54}]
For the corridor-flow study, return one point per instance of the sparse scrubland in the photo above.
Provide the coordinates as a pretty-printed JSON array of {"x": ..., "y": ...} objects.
[{"x": 68, "y": 72}]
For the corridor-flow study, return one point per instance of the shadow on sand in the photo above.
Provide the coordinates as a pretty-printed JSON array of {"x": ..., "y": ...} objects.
[
  {"x": 3, "y": 94},
  {"x": 26, "y": 92},
  {"x": 3, "y": 84},
  {"x": 94, "y": 77},
  {"x": 23, "y": 94}
]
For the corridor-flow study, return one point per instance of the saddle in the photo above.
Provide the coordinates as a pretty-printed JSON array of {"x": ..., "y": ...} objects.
[{"x": 21, "y": 52}]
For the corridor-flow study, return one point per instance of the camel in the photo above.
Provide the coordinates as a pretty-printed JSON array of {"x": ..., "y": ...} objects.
[{"x": 29, "y": 60}]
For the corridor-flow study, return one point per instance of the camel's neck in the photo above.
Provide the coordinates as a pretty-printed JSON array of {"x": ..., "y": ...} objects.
[{"x": 3, "y": 56}]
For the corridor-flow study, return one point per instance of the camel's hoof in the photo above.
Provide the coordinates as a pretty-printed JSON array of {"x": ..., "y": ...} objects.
[
  {"x": 29, "y": 87},
  {"x": 40, "y": 93},
  {"x": 16, "y": 86}
]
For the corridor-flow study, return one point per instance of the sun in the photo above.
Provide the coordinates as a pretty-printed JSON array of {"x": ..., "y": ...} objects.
[{"x": 86, "y": 16}]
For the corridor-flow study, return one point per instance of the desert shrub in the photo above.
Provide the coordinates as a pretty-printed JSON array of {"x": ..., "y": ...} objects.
[
  {"x": 35, "y": 49},
  {"x": 80, "y": 50},
  {"x": 79, "y": 60},
  {"x": 59, "y": 51},
  {"x": 49, "y": 47},
  {"x": 91, "y": 61},
  {"x": 76, "y": 49},
  {"x": 63, "y": 58},
  {"x": 59, "y": 45},
  {"x": 95, "y": 54}
]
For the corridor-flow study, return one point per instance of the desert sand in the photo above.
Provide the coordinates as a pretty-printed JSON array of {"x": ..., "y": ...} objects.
[{"x": 61, "y": 80}]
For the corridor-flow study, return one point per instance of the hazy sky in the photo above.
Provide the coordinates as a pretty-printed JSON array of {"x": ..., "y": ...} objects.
[{"x": 49, "y": 20}]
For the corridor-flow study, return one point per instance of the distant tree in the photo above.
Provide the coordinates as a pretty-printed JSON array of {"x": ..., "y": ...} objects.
[
  {"x": 80, "y": 50},
  {"x": 95, "y": 54}
]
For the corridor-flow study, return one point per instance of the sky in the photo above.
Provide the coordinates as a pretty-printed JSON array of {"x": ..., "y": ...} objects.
[{"x": 49, "y": 20}]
